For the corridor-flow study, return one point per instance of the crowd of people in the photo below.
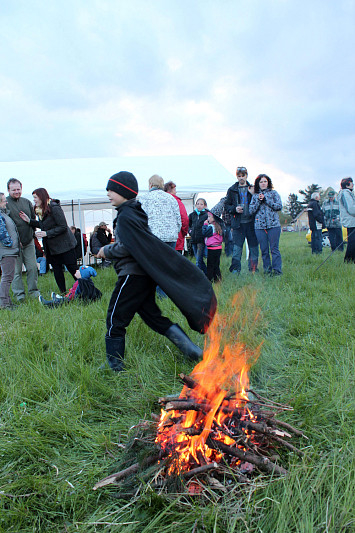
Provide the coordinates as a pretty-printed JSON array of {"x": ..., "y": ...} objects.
[
  {"x": 336, "y": 211},
  {"x": 149, "y": 230}
]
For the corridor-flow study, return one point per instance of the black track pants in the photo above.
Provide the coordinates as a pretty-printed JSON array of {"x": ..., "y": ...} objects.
[{"x": 134, "y": 294}]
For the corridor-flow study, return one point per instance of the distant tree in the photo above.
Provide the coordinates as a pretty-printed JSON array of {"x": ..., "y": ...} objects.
[
  {"x": 293, "y": 206},
  {"x": 307, "y": 193}
]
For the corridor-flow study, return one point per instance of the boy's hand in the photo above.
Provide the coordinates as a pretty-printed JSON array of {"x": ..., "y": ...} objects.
[{"x": 100, "y": 254}]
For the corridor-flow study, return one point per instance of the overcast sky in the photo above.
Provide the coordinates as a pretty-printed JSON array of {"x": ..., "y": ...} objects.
[{"x": 268, "y": 84}]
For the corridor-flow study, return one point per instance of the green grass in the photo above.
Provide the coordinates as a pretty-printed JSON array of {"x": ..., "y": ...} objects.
[{"x": 63, "y": 421}]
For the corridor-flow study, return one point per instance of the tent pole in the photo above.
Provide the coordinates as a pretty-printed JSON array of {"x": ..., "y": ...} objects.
[{"x": 81, "y": 234}]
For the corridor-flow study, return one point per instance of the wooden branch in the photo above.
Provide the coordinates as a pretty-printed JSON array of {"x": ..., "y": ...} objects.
[
  {"x": 257, "y": 395},
  {"x": 188, "y": 381},
  {"x": 262, "y": 428},
  {"x": 289, "y": 427},
  {"x": 261, "y": 462},
  {"x": 190, "y": 405},
  {"x": 118, "y": 476},
  {"x": 199, "y": 470}
]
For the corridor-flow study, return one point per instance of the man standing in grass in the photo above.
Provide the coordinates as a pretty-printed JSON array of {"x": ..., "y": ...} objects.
[
  {"x": 237, "y": 204},
  {"x": 331, "y": 211},
  {"x": 142, "y": 261},
  {"x": 315, "y": 220},
  {"x": 15, "y": 204}
]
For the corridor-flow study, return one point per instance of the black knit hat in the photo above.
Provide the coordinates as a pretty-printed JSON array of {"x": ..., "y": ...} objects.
[{"x": 124, "y": 183}]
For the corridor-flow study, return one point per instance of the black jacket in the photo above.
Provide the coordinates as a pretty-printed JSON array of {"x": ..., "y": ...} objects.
[
  {"x": 103, "y": 237},
  {"x": 180, "y": 279},
  {"x": 233, "y": 199},
  {"x": 315, "y": 214},
  {"x": 59, "y": 238},
  {"x": 88, "y": 291},
  {"x": 195, "y": 226}
]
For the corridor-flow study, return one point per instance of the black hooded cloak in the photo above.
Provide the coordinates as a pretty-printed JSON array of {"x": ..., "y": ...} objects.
[{"x": 184, "y": 283}]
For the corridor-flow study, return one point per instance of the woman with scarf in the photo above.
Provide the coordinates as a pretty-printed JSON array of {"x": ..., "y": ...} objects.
[
  {"x": 265, "y": 204},
  {"x": 9, "y": 250},
  {"x": 58, "y": 240}
]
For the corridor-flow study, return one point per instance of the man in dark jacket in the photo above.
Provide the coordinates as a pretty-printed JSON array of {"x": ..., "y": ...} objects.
[
  {"x": 142, "y": 261},
  {"x": 103, "y": 234},
  {"x": 237, "y": 204},
  {"x": 15, "y": 204},
  {"x": 316, "y": 221}
]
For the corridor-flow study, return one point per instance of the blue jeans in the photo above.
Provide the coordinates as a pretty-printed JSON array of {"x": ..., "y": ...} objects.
[
  {"x": 316, "y": 241},
  {"x": 245, "y": 231},
  {"x": 199, "y": 252},
  {"x": 269, "y": 242},
  {"x": 42, "y": 261}
]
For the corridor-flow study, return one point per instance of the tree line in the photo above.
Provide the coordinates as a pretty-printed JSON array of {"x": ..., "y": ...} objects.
[{"x": 295, "y": 206}]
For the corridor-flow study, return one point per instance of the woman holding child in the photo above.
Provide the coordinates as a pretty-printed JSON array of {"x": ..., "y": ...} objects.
[{"x": 58, "y": 241}]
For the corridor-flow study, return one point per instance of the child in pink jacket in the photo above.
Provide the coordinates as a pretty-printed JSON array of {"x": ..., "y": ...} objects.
[{"x": 212, "y": 230}]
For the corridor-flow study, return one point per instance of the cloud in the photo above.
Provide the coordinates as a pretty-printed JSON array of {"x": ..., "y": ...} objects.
[{"x": 266, "y": 84}]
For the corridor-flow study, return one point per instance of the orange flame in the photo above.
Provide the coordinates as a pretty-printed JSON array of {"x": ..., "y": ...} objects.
[{"x": 221, "y": 384}]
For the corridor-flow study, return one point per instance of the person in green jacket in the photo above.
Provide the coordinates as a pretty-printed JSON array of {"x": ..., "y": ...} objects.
[{"x": 27, "y": 255}]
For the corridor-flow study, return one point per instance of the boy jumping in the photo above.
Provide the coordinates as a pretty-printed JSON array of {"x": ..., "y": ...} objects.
[{"x": 142, "y": 262}]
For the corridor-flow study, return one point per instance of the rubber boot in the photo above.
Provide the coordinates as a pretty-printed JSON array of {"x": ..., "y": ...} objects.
[
  {"x": 115, "y": 347},
  {"x": 178, "y": 337}
]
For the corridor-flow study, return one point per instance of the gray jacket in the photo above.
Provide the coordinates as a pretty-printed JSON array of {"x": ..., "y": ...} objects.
[
  {"x": 265, "y": 211},
  {"x": 346, "y": 199},
  {"x": 8, "y": 251}
]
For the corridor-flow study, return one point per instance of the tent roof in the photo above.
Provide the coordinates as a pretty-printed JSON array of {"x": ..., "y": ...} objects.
[{"x": 86, "y": 178}]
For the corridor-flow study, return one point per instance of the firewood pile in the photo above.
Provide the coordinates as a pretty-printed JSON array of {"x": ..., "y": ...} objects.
[
  {"x": 218, "y": 431},
  {"x": 198, "y": 443}
]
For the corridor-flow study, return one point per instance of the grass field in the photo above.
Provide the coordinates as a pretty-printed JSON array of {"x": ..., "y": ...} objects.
[{"x": 64, "y": 421}]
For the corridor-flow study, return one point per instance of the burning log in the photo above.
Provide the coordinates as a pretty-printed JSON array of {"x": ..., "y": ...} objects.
[{"x": 217, "y": 427}]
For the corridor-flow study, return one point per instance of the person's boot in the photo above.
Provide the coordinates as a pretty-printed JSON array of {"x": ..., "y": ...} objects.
[
  {"x": 115, "y": 347},
  {"x": 48, "y": 303},
  {"x": 58, "y": 299},
  {"x": 178, "y": 337}
]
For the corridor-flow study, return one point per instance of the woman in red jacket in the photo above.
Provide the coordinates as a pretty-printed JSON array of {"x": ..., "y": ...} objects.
[{"x": 170, "y": 187}]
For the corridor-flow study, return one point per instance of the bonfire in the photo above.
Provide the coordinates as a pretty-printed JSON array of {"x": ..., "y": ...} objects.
[{"x": 217, "y": 426}]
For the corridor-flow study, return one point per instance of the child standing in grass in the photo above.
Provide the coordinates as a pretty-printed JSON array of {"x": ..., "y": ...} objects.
[
  {"x": 142, "y": 262},
  {"x": 213, "y": 233},
  {"x": 196, "y": 221}
]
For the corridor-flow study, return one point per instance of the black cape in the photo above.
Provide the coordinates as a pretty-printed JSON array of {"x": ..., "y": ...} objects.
[
  {"x": 181, "y": 280},
  {"x": 88, "y": 291}
]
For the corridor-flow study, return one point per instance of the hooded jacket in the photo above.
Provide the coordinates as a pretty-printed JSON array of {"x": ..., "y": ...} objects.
[
  {"x": 346, "y": 199},
  {"x": 180, "y": 279},
  {"x": 196, "y": 221},
  {"x": 60, "y": 238}
]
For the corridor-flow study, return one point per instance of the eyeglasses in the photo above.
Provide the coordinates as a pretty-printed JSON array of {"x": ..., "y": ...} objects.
[{"x": 242, "y": 169}]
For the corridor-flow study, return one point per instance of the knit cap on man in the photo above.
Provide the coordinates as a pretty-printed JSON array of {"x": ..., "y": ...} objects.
[{"x": 123, "y": 183}]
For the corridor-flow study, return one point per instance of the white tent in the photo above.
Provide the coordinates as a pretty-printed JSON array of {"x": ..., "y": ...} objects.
[
  {"x": 73, "y": 179},
  {"x": 80, "y": 184}
]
